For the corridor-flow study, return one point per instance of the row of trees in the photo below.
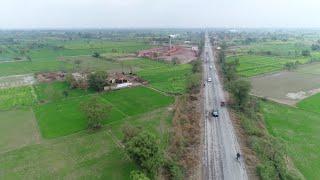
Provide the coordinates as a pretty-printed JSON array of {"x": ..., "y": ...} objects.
[{"x": 238, "y": 87}]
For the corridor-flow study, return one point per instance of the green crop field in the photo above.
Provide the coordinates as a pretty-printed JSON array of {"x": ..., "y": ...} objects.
[
  {"x": 64, "y": 117},
  {"x": 82, "y": 155},
  {"x": 172, "y": 79},
  {"x": 18, "y": 128},
  {"x": 54, "y": 91},
  {"x": 51, "y": 58},
  {"x": 16, "y": 97},
  {"x": 163, "y": 76},
  {"x": 251, "y": 65},
  {"x": 137, "y": 100},
  {"x": 311, "y": 103},
  {"x": 279, "y": 48},
  {"x": 300, "y": 130}
]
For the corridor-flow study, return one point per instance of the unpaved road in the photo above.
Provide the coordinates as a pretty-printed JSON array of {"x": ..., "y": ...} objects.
[{"x": 221, "y": 145}]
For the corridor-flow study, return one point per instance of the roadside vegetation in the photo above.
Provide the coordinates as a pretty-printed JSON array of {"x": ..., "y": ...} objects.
[{"x": 271, "y": 152}]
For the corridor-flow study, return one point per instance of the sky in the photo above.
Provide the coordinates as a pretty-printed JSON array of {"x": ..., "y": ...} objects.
[{"x": 56, "y": 14}]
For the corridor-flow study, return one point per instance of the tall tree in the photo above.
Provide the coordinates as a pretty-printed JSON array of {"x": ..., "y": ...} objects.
[
  {"x": 145, "y": 151},
  {"x": 95, "y": 112},
  {"x": 240, "y": 90},
  {"x": 98, "y": 80}
]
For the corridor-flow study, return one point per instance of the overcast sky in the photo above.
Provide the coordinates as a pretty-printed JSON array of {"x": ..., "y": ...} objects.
[{"x": 158, "y": 13}]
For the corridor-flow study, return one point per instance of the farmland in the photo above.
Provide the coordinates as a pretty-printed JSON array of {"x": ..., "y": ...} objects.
[
  {"x": 16, "y": 97},
  {"x": 252, "y": 65},
  {"x": 264, "y": 53},
  {"x": 65, "y": 117},
  {"x": 25, "y": 131},
  {"x": 288, "y": 87},
  {"x": 299, "y": 129},
  {"x": 44, "y": 130}
]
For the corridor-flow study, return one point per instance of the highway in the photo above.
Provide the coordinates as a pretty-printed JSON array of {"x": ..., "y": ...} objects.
[{"x": 220, "y": 141}]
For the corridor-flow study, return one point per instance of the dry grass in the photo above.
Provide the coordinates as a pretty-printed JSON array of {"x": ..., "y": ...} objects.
[{"x": 186, "y": 135}]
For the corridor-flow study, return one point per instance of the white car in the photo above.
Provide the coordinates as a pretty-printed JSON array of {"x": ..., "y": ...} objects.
[
  {"x": 210, "y": 67},
  {"x": 215, "y": 113},
  {"x": 209, "y": 79}
]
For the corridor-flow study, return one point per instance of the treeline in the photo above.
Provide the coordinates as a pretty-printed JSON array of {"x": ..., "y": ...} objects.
[{"x": 270, "y": 151}]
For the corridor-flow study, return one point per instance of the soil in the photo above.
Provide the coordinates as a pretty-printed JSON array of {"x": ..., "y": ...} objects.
[{"x": 183, "y": 54}]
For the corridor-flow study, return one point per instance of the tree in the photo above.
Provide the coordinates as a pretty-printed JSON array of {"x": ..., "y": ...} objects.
[
  {"x": 95, "y": 112},
  {"x": 138, "y": 175},
  {"x": 98, "y": 80},
  {"x": 196, "y": 66},
  {"x": 240, "y": 91},
  {"x": 222, "y": 57},
  {"x": 315, "y": 47},
  {"x": 305, "y": 53},
  {"x": 77, "y": 63},
  {"x": 29, "y": 58},
  {"x": 145, "y": 151},
  {"x": 71, "y": 81},
  {"x": 96, "y": 55}
]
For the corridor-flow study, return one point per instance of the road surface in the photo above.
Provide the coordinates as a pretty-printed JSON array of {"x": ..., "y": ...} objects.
[{"x": 221, "y": 145}]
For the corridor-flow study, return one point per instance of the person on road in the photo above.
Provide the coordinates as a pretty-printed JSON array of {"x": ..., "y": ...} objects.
[{"x": 238, "y": 156}]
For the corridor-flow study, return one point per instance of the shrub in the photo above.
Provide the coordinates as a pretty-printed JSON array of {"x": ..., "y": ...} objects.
[{"x": 138, "y": 175}]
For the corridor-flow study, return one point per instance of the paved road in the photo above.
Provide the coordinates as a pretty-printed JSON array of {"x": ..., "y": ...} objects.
[{"x": 221, "y": 144}]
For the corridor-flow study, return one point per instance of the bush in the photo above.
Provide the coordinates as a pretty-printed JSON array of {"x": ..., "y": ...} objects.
[
  {"x": 194, "y": 83},
  {"x": 305, "y": 53},
  {"x": 138, "y": 175},
  {"x": 129, "y": 132},
  {"x": 173, "y": 170},
  {"x": 96, "y": 55},
  {"x": 250, "y": 127},
  {"x": 196, "y": 66}
]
